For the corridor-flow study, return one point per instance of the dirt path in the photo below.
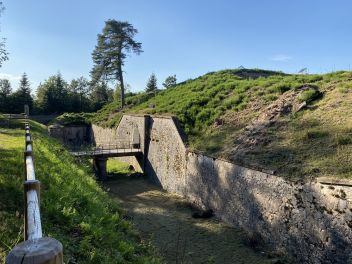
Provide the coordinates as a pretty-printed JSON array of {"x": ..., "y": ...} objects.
[{"x": 163, "y": 219}]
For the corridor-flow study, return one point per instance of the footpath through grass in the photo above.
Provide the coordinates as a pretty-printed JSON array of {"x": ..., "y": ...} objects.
[{"x": 74, "y": 208}]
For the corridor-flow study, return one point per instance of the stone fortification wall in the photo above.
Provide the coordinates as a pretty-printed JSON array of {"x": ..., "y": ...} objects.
[{"x": 310, "y": 221}]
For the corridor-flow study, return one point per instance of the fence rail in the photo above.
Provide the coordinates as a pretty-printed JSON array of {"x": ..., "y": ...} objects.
[{"x": 35, "y": 249}]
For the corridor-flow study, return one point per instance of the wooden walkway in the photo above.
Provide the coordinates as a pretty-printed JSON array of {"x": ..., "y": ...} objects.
[{"x": 121, "y": 152}]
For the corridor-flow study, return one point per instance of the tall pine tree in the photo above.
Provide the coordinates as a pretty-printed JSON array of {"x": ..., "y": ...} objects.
[{"x": 116, "y": 40}]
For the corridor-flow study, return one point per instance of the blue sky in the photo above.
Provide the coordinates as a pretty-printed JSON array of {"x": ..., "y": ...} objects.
[{"x": 186, "y": 38}]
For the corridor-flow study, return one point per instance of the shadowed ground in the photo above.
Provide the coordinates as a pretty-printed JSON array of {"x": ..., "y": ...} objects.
[{"x": 166, "y": 221}]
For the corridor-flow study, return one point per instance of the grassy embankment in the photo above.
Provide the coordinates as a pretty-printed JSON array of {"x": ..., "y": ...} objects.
[
  {"x": 215, "y": 109},
  {"x": 75, "y": 210}
]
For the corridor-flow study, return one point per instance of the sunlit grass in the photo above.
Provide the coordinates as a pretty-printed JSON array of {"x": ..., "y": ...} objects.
[{"x": 117, "y": 167}]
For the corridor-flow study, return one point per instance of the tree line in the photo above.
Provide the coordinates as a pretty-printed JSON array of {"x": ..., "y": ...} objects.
[{"x": 54, "y": 95}]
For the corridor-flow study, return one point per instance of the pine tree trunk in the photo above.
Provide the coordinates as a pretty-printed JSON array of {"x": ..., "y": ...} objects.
[{"x": 122, "y": 86}]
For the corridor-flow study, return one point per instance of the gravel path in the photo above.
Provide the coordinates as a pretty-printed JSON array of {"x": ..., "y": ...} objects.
[{"x": 165, "y": 220}]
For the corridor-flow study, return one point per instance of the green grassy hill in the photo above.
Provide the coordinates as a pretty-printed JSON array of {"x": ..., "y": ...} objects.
[
  {"x": 75, "y": 210},
  {"x": 251, "y": 118}
]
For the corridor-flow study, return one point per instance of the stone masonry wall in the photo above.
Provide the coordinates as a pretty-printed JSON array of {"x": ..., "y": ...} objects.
[
  {"x": 311, "y": 221},
  {"x": 165, "y": 155},
  {"x": 71, "y": 136}
]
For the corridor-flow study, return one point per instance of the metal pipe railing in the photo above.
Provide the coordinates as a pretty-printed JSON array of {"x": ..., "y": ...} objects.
[
  {"x": 109, "y": 148},
  {"x": 35, "y": 249}
]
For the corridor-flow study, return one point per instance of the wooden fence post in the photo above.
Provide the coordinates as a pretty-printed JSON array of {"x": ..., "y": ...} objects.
[
  {"x": 29, "y": 185},
  {"x": 42, "y": 251}
]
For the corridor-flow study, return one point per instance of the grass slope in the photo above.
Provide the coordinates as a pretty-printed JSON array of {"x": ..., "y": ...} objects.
[
  {"x": 74, "y": 208},
  {"x": 216, "y": 108}
]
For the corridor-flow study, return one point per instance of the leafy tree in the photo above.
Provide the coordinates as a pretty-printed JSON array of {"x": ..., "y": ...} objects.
[
  {"x": 3, "y": 52},
  {"x": 151, "y": 84},
  {"x": 79, "y": 90},
  {"x": 116, "y": 40},
  {"x": 101, "y": 94},
  {"x": 170, "y": 81},
  {"x": 5, "y": 92},
  {"x": 52, "y": 95},
  {"x": 22, "y": 96}
]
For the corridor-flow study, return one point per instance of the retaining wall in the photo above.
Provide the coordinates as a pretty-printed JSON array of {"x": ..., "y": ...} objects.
[{"x": 71, "y": 136}]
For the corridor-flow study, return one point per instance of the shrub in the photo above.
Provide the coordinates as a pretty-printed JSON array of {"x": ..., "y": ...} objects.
[
  {"x": 314, "y": 134},
  {"x": 270, "y": 97},
  {"x": 233, "y": 101},
  {"x": 309, "y": 95},
  {"x": 74, "y": 119},
  {"x": 204, "y": 115},
  {"x": 280, "y": 88},
  {"x": 343, "y": 139}
]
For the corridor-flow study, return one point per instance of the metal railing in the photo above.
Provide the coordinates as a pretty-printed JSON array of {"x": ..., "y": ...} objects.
[
  {"x": 35, "y": 249},
  {"x": 108, "y": 148},
  {"x": 5, "y": 119},
  {"x": 14, "y": 116}
]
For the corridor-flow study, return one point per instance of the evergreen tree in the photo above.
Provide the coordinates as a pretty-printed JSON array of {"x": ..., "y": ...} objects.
[
  {"x": 22, "y": 96},
  {"x": 24, "y": 84},
  {"x": 170, "y": 81},
  {"x": 116, "y": 40},
  {"x": 151, "y": 84},
  {"x": 101, "y": 94}
]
